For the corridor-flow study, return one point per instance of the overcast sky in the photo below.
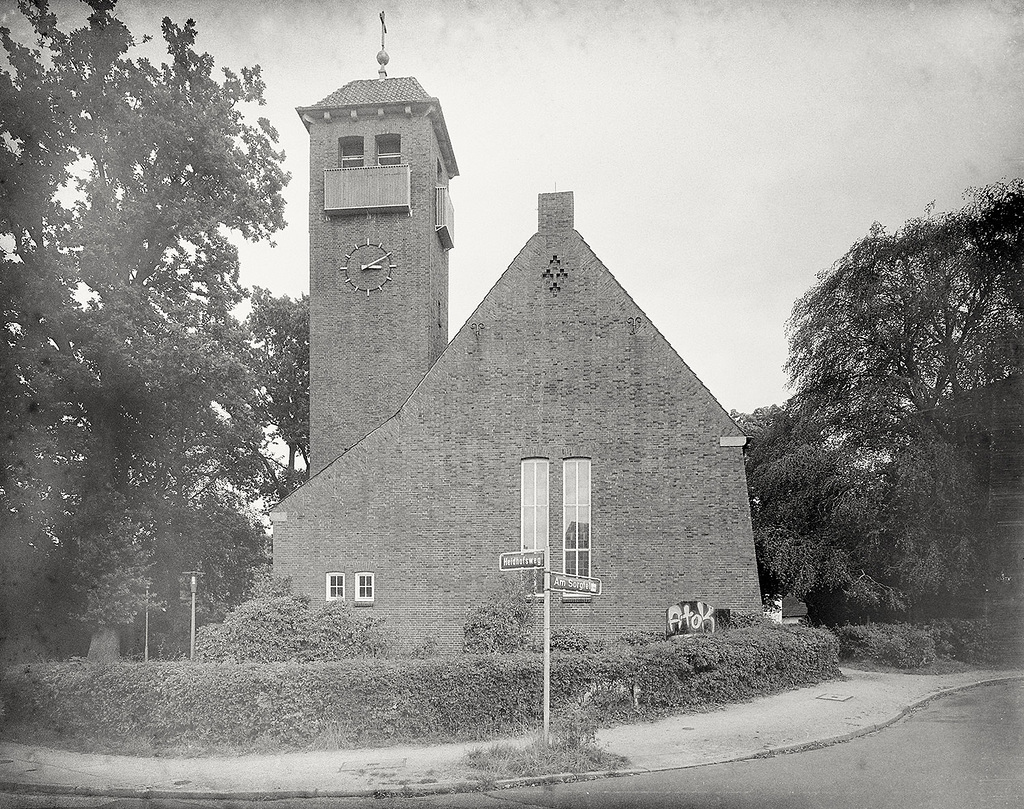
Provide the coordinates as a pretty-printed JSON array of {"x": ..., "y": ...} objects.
[{"x": 721, "y": 154}]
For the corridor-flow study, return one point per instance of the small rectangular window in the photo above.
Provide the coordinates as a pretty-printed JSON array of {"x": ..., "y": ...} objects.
[
  {"x": 534, "y": 488},
  {"x": 335, "y": 586},
  {"x": 350, "y": 152},
  {"x": 576, "y": 516},
  {"x": 364, "y": 587},
  {"x": 389, "y": 150}
]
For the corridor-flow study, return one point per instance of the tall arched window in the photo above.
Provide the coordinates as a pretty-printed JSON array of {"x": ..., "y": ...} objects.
[
  {"x": 534, "y": 504},
  {"x": 576, "y": 516}
]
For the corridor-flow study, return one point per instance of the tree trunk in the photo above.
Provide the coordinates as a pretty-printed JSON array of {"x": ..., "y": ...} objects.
[{"x": 105, "y": 646}]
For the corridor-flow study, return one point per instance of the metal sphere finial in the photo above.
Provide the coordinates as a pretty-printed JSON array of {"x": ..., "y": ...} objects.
[{"x": 382, "y": 57}]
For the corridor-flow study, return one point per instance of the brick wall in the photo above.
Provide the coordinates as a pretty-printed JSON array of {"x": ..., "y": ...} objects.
[
  {"x": 431, "y": 498},
  {"x": 367, "y": 353}
]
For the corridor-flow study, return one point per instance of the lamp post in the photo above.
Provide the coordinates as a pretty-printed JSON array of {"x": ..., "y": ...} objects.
[
  {"x": 195, "y": 574},
  {"x": 146, "y": 653}
]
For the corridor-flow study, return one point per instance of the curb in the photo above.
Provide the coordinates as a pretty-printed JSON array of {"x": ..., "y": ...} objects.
[
  {"x": 830, "y": 741},
  {"x": 451, "y": 787}
]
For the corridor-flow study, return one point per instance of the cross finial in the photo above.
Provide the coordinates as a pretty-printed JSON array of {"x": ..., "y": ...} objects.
[{"x": 382, "y": 57}]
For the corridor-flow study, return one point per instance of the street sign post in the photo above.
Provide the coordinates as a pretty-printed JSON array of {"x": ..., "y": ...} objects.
[
  {"x": 566, "y": 583},
  {"x": 547, "y": 650},
  {"x": 559, "y": 582},
  {"x": 521, "y": 560}
]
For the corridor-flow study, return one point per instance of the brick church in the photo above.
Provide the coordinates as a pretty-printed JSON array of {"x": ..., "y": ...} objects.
[{"x": 558, "y": 416}]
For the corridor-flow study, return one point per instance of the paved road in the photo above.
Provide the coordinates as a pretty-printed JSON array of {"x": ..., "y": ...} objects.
[{"x": 963, "y": 750}]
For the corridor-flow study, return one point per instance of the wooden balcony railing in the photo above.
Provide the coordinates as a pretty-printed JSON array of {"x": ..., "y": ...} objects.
[
  {"x": 444, "y": 217},
  {"x": 367, "y": 188}
]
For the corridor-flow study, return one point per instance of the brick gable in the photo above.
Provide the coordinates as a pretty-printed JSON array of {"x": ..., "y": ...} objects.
[{"x": 557, "y": 361}]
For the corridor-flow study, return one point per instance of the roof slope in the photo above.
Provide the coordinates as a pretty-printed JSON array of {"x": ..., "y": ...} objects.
[
  {"x": 590, "y": 335},
  {"x": 374, "y": 91}
]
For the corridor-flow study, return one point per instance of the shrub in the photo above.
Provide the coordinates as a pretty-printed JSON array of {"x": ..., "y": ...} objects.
[
  {"x": 375, "y": 701},
  {"x": 266, "y": 583},
  {"x": 276, "y": 628},
  {"x": 571, "y": 639},
  {"x": 638, "y": 637},
  {"x": 339, "y": 631},
  {"x": 425, "y": 647},
  {"x": 972, "y": 641},
  {"x": 501, "y": 624},
  {"x": 745, "y": 619},
  {"x": 900, "y": 645}
]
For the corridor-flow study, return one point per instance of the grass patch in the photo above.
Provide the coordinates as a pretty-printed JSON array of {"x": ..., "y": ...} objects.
[
  {"x": 573, "y": 749},
  {"x": 503, "y": 760}
]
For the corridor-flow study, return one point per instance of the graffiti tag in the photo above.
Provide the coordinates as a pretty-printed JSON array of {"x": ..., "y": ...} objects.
[{"x": 693, "y": 618}]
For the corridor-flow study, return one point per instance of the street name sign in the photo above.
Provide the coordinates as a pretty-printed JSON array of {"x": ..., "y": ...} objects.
[
  {"x": 559, "y": 582},
  {"x": 566, "y": 583},
  {"x": 521, "y": 560}
]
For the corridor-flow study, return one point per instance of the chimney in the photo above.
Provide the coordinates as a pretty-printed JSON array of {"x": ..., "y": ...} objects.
[{"x": 554, "y": 212}]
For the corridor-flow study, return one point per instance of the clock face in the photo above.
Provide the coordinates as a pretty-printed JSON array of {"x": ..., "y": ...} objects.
[{"x": 368, "y": 267}]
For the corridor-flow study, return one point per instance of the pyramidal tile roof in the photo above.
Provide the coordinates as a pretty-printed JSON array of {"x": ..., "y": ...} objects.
[{"x": 375, "y": 91}]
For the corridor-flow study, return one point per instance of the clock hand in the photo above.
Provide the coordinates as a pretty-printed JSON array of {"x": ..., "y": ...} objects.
[{"x": 374, "y": 264}]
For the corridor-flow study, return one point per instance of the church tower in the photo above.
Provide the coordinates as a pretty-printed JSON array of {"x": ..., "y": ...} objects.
[{"x": 380, "y": 227}]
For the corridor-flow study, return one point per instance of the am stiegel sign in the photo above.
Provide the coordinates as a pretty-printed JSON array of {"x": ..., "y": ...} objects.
[{"x": 565, "y": 583}]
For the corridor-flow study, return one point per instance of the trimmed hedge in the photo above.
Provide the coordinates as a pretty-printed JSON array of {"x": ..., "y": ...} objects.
[
  {"x": 638, "y": 637},
  {"x": 574, "y": 640},
  {"x": 974, "y": 641},
  {"x": 900, "y": 645},
  {"x": 377, "y": 702}
]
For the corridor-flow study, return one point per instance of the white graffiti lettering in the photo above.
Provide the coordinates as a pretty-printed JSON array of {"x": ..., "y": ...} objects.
[{"x": 690, "y": 618}]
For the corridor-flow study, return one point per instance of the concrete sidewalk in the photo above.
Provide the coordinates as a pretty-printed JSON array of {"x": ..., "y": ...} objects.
[{"x": 865, "y": 701}]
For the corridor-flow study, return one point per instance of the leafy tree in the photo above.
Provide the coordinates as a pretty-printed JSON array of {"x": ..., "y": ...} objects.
[
  {"x": 128, "y": 382},
  {"x": 815, "y": 510},
  {"x": 864, "y": 487},
  {"x": 35, "y": 302},
  {"x": 115, "y": 597},
  {"x": 861, "y": 531},
  {"x": 908, "y": 321},
  {"x": 280, "y": 333}
]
